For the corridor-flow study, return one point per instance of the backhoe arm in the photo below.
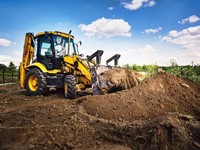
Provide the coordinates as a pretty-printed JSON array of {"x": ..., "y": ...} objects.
[{"x": 27, "y": 57}]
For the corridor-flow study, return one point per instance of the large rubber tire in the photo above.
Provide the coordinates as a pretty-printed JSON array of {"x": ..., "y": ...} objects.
[
  {"x": 70, "y": 87},
  {"x": 36, "y": 82}
]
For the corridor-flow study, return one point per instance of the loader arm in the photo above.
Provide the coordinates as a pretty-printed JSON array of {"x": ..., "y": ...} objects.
[
  {"x": 114, "y": 58},
  {"x": 27, "y": 57}
]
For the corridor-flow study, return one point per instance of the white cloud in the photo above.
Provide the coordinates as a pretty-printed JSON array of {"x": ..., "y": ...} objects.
[
  {"x": 145, "y": 55},
  {"x": 110, "y": 8},
  {"x": 18, "y": 53},
  {"x": 148, "y": 49},
  {"x": 106, "y": 28},
  {"x": 4, "y": 59},
  {"x": 152, "y": 30},
  {"x": 5, "y": 42},
  {"x": 151, "y": 3},
  {"x": 136, "y": 4},
  {"x": 188, "y": 38},
  {"x": 191, "y": 19}
]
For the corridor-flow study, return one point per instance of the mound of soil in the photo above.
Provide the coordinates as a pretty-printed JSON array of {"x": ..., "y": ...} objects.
[
  {"x": 162, "y": 112},
  {"x": 153, "y": 97},
  {"x": 121, "y": 78}
]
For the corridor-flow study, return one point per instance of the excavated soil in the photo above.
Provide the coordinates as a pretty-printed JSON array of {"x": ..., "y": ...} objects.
[
  {"x": 161, "y": 112},
  {"x": 121, "y": 78}
]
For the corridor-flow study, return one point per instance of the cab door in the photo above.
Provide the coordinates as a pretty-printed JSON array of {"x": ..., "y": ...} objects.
[{"x": 45, "y": 54}]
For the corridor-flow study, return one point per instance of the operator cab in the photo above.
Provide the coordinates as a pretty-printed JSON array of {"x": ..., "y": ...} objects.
[{"x": 50, "y": 48}]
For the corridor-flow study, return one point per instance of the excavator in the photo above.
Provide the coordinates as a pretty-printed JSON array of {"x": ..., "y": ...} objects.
[{"x": 51, "y": 59}]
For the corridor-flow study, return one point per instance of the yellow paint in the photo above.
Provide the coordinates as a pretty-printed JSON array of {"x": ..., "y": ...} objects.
[
  {"x": 80, "y": 86},
  {"x": 33, "y": 83},
  {"x": 22, "y": 75},
  {"x": 66, "y": 88},
  {"x": 43, "y": 68},
  {"x": 56, "y": 33},
  {"x": 36, "y": 65},
  {"x": 81, "y": 71},
  {"x": 27, "y": 57}
]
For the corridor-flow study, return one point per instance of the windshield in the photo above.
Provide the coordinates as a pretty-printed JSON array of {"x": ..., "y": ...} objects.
[{"x": 61, "y": 46}]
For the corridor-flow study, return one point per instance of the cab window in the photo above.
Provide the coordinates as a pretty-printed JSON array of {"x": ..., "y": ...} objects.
[
  {"x": 61, "y": 46},
  {"x": 46, "y": 48}
]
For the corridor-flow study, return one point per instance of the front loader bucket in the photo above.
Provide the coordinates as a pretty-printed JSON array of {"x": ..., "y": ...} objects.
[
  {"x": 96, "y": 55},
  {"x": 115, "y": 58},
  {"x": 99, "y": 85}
]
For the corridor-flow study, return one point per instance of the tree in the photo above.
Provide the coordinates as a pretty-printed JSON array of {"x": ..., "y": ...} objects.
[
  {"x": 173, "y": 62},
  {"x": 11, "y": 67},
  {"x": 127, "y": 66},
  {"x": 3, "y": 68},
  {"x": 145, "y": 68},
  {"x": 137, "y": 68}
]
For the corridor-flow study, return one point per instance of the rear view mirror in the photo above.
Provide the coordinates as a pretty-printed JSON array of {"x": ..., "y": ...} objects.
[{"x": 81, "y": 55}]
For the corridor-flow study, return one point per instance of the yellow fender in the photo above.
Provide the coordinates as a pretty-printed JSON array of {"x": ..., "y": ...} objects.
[
  {"x": 36, "y": 65},
  {"x": 43, "y": 68}
]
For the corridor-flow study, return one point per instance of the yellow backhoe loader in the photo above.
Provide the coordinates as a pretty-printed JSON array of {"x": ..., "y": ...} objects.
[{"x": 52, "y": 60}]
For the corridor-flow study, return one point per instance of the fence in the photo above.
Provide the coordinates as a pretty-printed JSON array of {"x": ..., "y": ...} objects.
[{"x": 8, "y": 76}]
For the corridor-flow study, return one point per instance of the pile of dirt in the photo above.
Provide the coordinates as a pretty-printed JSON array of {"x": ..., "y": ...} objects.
[
  {"x": 121, "y": 78},
  {"x": 161, "y": 112},
  {"x": 153, "y": 97}
]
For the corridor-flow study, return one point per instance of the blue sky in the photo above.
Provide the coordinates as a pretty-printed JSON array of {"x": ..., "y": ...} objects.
[{"x": 142, "y": 31}]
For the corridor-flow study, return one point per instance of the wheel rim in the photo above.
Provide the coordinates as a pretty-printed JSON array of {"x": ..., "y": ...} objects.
[
  {"x": 33, "y": 83},
  {"x": 66, "y": 89}
]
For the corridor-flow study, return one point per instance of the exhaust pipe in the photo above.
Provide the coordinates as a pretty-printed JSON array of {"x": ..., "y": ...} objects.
[{"x": 69, "y": 36}]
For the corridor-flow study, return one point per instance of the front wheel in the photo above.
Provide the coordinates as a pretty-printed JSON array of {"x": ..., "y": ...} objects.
[
  {"x": 70, "y": 87},
  {"x": 35, "y": 82}
]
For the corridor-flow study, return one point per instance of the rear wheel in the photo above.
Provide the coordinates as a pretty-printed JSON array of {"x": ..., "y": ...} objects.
[
  {"x": 36, "y": 82},
  {"x": 70, "y": 87}
]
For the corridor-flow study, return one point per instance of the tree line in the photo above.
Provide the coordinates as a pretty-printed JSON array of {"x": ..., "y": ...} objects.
[
  {"x": 8, "y": 73},
  {"x": 9, "y": 69},
  {"x": 191, "y": 72}
]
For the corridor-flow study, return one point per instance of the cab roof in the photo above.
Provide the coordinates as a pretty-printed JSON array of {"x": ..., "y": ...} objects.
[{"x": 55, "y": 33}]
